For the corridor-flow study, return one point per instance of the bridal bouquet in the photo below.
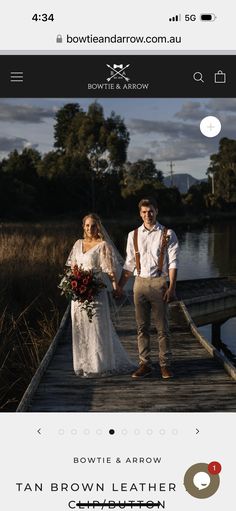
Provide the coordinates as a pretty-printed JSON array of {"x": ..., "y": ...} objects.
[{"x": 82, "y": 285}]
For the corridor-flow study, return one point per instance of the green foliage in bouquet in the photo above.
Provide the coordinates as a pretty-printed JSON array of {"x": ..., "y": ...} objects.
[{"x": 83, "y": 286}]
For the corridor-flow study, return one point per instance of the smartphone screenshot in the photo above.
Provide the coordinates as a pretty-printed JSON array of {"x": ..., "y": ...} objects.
[{"x": 117, "y": 252}]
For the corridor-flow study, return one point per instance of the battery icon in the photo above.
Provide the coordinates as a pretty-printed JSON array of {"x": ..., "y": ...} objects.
[{"x": 208, "y": 17}]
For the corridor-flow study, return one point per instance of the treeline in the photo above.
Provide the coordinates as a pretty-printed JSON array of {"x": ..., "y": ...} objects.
[{"x": 88, "y": 170}]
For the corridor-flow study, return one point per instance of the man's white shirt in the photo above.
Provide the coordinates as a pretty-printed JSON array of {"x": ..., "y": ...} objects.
[{"x": 149, "y": 246}]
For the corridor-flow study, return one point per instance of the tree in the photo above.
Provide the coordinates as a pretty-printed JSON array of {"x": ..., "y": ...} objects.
[
  {"x": 197, "y": 198},
  {"x": 103, "y": 141},
  {"x": 22, "y": 166},
  {"x": 62, "y": 128},
  {"x": 117, "y": 140},
  {"x": 222, "y": 168},
  {"x": 139, "y": 175}
]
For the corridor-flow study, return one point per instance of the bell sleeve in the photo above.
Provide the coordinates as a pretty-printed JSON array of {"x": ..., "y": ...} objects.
[
  {"x": 109, "y": 262},
  {"x": 71, "y": 260}
]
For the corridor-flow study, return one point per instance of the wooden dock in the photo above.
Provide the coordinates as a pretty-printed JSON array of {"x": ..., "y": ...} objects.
[{"x": 204, "y": 380}]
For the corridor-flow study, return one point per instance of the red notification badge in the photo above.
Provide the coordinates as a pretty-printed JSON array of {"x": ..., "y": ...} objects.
[{"x": 214, "y": 467}]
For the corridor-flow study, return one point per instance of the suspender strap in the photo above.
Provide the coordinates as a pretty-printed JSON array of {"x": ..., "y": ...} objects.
[
  {"x": 164, "y": 242},
  {"x": 137, "y": 253}
]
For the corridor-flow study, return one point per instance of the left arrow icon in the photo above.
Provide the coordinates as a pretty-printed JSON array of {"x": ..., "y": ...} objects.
[{"x": 39, "y": 431}]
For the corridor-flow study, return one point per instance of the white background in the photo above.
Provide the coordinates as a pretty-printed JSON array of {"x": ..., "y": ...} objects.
[{"x": 28, "y": 457}]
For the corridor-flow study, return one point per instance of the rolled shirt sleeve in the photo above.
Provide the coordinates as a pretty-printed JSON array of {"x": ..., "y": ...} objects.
[{"x": 172, "y": 250}]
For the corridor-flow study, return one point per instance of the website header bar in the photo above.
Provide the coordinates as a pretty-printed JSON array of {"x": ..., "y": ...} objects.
[{"x": 118, "y": 76}]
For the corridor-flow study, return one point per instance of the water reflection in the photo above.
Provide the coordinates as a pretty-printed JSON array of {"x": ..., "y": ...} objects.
[
  {"x": 208, "y": 252},
  {"x": 228, "y": 334}
]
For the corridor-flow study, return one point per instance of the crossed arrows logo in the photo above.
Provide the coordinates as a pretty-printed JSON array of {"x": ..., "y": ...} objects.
[{"x": 118, "y": 71}]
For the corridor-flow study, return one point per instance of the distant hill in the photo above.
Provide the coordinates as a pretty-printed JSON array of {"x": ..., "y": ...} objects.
[{"x": 182, "y": 181}]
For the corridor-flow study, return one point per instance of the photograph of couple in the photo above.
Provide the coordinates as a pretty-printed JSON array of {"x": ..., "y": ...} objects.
[
  {"x": 152, "y": 255},
  {"x": 101, "y": 205}
]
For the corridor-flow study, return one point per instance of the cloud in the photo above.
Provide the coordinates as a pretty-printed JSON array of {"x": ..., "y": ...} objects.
[
  {"x": 222, "y": 105},
  {"x": 9, "y": 144},
  {"x": 180, "y": 150},
  {"x": 169, "y": 128},
  {"x": 192, "y": 111},
  {"x": 180, "y": 139},
  {"x": 195, "y": 111},
  {"x": 170, "y": 149},
  {"x": 140, "y": 153},
  {"x": 25, "y": 113}
]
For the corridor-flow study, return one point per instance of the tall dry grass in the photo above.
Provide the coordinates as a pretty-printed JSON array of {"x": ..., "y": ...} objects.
[{"x": 31, "y": 258}]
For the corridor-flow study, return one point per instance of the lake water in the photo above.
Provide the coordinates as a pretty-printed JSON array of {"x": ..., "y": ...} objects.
[{"x": 210, "y": 252}]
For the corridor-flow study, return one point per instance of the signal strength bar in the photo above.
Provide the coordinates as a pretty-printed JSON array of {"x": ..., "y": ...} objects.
[{"x": 175, "y": 18}]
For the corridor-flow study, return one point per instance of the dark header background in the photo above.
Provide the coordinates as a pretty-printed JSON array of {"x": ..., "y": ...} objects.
[{"x": 69, "y": 75}]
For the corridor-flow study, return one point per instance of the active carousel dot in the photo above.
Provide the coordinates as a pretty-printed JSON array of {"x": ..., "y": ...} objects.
[{"x": 111, "y": 431}]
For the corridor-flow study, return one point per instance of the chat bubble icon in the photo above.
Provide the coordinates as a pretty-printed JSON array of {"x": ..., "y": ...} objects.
[{"x": 201, "y": 480}]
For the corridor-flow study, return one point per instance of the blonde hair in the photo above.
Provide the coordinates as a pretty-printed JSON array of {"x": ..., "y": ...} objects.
[{"x": 96, "y": 218}]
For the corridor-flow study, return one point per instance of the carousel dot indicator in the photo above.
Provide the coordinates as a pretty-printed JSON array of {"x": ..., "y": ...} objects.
[{"x": 111, "y": 431}]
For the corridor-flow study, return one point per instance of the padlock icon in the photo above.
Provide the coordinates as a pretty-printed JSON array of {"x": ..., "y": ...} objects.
[
  {"x": 59, "y": 38},
  {"x": 220, "y": 77}
]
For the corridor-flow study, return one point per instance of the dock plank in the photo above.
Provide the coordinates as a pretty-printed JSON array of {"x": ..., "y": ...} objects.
[{"x": 200, "y": 383}]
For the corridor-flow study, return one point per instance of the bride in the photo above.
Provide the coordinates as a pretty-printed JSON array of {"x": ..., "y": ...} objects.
[{"x": 97, "y": 350}]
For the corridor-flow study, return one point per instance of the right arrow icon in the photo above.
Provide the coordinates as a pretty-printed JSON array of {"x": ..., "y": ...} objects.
[{"x": 197, "y": 431}]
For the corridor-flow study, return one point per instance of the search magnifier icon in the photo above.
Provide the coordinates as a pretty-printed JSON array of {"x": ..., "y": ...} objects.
[{"x": 198, "y": 77}]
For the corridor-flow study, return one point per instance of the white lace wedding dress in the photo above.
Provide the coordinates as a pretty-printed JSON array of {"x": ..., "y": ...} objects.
[{"x": 97, "y": 350}]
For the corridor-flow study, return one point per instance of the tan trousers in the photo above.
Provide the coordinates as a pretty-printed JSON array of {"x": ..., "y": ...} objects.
[{"x": 148, "y": 296}]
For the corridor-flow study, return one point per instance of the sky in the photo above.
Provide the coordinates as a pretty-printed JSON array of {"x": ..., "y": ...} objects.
[{"x": 162, "y": 129}]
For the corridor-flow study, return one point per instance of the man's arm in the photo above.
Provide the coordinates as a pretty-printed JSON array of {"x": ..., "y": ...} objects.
[
  {"x": 124, "y": 278},
  {"x": 173, "y": 253},
  {"x": 170, "y": 292},
  {"x": 129, "y": 266}
]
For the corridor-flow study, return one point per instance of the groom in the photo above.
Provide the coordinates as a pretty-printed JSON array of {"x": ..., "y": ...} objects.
[{"x": 152, "y": 255}]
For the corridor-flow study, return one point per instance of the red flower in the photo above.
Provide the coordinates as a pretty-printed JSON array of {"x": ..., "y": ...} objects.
[
  {"x": 74, "y": 284},
  {"x": 82, "y": 289}
]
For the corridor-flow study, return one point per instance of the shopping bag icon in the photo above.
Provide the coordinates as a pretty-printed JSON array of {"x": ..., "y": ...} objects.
[{"x": 220, "y": 77}]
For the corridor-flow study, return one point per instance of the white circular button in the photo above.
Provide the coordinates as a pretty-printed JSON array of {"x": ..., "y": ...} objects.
[{"x": 210, "y": 126}]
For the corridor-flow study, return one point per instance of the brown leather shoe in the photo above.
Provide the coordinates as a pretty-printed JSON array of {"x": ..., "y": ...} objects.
[
  {"x": 143, "y": 371},
  {"x": 166, "y": 373}
]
